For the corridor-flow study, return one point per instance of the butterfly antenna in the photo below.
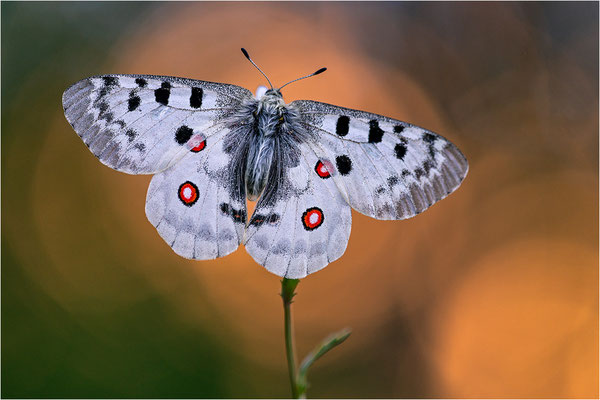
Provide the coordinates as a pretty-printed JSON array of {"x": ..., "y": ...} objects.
[
  {"x": 249, "y": 59},
  {"x": 304, "y": 77}
]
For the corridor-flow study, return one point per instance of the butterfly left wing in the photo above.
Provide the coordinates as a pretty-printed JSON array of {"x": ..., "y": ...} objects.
[
  {"x": 198, "y": 205},
  {"x": 387, "y": 169},
  {"x": 302, "y": 222},
  {"x": 142, "y": 124}
]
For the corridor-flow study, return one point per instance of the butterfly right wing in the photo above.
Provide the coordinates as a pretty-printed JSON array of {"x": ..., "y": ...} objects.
[
  {"x": 302, "y": 222},
  {"x": 142, "y": 124},
  {"x": 387, "y": 169}
]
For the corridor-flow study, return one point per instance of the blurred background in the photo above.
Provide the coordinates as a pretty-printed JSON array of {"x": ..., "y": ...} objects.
[{"x": 493, "y": 292}]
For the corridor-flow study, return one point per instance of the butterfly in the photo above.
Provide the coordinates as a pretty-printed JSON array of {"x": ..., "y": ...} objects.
[{"x": 211, "y": 146}]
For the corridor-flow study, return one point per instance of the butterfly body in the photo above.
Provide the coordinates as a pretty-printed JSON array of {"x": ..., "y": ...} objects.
[
  {"x": 273, "y": 132},
  {"x": 267, "y": 123},
  {"x": 211, "y": 146}
]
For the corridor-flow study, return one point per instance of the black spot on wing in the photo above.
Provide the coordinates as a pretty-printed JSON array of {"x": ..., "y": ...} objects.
[
  {"x": 392, "y": 180},
  {"x": 103, "y": 106},
  {"x": 183, "y": 134},
  {"x": 120, "y": 122},
  {"x": 238, "y": 216},
  {"x": 375, "y": 132},
  {"x": 427, "y": 165},
  {"x": 104, "y": 113},
  {"x": 429, "y": 138},
  {"x": 419, "y": 173},
  {"x": 342, "y": 125},
  {"x": 102, "y": 93},
  {"x": 109, "y": 81},
  {"x": 131, "y": 134},
  {"x": 260, "y": 219},
  {"x": 400, "y": 151},
  {"x": 344, "y": 164},
  {"x": 162, "y": 95},
  {"x": 133, "y": 102},
  {"x": 225, "y": 208},
  {"x": 398, "y": 128},
  {"x": 432, "y": 151},
  {"x": 196, "y": 97},
  {"x": 140, "y": 147},
  {"x": 141, "y": 82}
]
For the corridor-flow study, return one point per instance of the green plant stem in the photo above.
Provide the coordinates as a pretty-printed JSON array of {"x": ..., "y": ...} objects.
[
  {"x": 287, "y": 293},
  {"x": 289, "y": 348}
]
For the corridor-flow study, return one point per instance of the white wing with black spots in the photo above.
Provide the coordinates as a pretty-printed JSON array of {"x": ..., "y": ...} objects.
[
  {"x": 386, "y": 169},
  {"x": 197, "y": 205},
  {"x": 211, "y": 146},
  {"x": 142, "y": 124},
  {"x": 304, "y": 224}
]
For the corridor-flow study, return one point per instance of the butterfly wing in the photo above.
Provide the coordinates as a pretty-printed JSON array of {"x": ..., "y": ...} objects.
[
  {"x": 198, "y": 205},
  {"x": 302, "y": 223},
  {"x": 387, "y": 169},
  {"x": 142, "y": 124},
  {"x": 145, "y": 124}
]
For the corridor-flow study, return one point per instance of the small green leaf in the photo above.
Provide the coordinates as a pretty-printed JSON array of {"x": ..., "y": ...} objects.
[{"x": 327, "y": 344}]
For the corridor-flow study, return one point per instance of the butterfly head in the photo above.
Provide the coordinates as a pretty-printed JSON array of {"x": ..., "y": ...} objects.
[
  {"x": 271, "y": 104},
  {"x": 273, "y": 93},
  {"x": 263, "y": 92}
]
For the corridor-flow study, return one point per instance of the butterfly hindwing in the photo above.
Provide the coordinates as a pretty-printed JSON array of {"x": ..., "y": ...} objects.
[
  {"x": 197, "y": 205},
  {"x": 303, "y": 225},
  {"x": 386, "y": 168},
  {"x": 142, "y": 124}
]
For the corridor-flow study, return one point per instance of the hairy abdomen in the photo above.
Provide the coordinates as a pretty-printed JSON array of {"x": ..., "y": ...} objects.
[{"x": 258, "y": 165}]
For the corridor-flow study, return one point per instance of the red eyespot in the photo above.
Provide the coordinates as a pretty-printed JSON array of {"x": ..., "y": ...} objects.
[
  {"x": 324, "y": 168},
  {"x": 188, "y": 193},
  {"x": 197, "y": 143},
  {"x": 199, "y": 147},
  {"x": 312, "y": 218}
]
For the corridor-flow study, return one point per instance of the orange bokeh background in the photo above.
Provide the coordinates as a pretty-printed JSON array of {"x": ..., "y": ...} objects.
[{"x": 493, "y": 292}]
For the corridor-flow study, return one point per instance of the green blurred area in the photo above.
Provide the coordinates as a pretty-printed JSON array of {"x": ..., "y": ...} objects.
[
  {"x": 139, "y": 351},
  {"x": 117, "y": 336}
]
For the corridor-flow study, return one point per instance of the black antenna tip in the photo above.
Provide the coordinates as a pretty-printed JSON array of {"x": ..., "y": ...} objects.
[
  {"x": 321, "y": 70},
  {"x": 245, "y": 53}
]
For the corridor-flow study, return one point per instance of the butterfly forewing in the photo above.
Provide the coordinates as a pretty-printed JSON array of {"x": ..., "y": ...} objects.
[
  {"x": 387, "y": 169},
  {"x": 142, "y": 124}
]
